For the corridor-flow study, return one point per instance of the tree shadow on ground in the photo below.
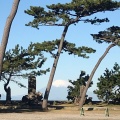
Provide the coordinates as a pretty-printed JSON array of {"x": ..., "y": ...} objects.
[
  {"x": 90, "y": 109},
  {"x": 20, "y": 108},
  {"x": 56, "y": 107}
]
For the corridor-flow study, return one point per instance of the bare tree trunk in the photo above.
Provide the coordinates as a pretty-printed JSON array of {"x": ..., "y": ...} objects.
[
  {"x": 46, "y": 95},
  {"x": 7, "y": 31},
  {"x": 8, "y": 90},
  {"x": 92, "y": 74},
  {"x": 8, "y": 95}
]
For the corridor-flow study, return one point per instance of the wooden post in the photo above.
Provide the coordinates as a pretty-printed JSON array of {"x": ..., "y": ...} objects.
[
  {"x": 82, "y": 111},
  {"x": 107, "y": 112}
]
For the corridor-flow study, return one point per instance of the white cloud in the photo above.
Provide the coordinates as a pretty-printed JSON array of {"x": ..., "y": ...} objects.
[{"x": 60, "y": 83}]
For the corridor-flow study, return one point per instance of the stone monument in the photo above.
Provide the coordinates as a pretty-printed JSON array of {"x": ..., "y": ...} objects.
[{"x": 31, "y": 84}]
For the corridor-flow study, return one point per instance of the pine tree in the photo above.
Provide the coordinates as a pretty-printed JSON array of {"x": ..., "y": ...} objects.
[
  {"x": 65, "y": 15},
  {"x": 21, "y": 63},
  {"x": 111, "y": 35},
  {"x": 6, "y": 32},
  {"x": 77, "y": 86},
  {"x": 109, "y": 85}
]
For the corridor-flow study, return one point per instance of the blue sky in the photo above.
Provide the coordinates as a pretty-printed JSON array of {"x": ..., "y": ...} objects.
[{"x": 69, "y": 67}]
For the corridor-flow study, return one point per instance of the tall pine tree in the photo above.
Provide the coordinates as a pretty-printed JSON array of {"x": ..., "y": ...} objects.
[
  {"x": 112, "y": 36},
  {"x": 6, "y": 32},
  {"x": 66, "y": 15}
]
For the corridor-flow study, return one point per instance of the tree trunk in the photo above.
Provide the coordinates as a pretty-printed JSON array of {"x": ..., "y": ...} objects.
[
  {"x": 6, "y": 32},
  {"x": 92, "y": 74},
  {"x": 46, "y": 95},
  {"x": 8, "y": 96},
  {"x": 8, "y": 91},
  {"x": 82, "y": 87}
]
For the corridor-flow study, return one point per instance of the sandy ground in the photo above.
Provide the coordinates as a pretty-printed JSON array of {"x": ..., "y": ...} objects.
[{"x": 61, "y": 115}]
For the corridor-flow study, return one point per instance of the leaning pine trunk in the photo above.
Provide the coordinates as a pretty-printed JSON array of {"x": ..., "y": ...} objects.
[
  {"x": 46, "y": 95},
  {"x": 92, "y": 74},
  {"x": 6, "y": 32}
]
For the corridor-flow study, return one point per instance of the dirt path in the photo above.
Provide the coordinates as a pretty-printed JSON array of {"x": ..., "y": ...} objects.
[{"x": 61, "y": 115}]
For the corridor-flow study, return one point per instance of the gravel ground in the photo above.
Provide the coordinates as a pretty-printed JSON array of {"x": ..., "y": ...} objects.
[{"x": 60, "y": 115}]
